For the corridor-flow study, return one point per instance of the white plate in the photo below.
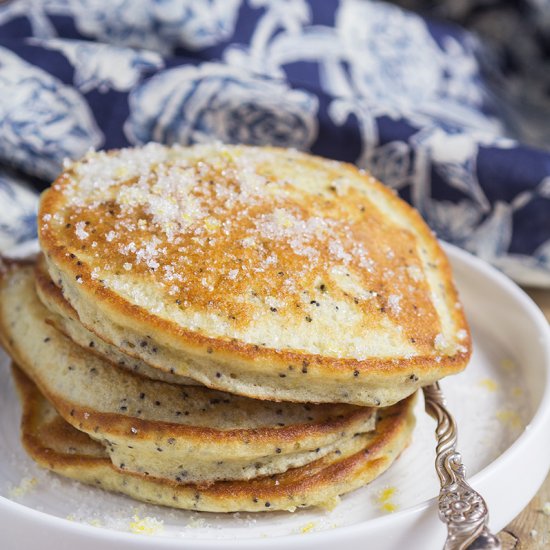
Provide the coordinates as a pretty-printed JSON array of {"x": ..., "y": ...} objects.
[{"x": 501, "y": 403}]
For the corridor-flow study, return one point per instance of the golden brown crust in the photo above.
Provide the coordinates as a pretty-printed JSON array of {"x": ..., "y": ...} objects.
[
  {"x": 228, "y": 350},
  {"x": 49, "y": 289}
]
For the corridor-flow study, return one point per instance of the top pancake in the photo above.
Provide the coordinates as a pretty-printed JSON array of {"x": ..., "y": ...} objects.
[{"x": 257, "y": 260}]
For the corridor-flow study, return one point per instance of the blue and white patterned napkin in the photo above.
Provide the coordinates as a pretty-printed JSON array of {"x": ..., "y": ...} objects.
[{"x": 458, "y": 125}]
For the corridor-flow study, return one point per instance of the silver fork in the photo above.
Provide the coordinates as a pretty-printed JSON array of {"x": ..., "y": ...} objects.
[{"x": 460, "y": 507}]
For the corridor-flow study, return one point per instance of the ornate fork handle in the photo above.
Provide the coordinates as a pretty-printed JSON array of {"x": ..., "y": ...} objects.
[{"x": 460, "y": 507}]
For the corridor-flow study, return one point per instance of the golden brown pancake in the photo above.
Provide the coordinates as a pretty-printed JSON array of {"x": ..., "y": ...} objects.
[{"x": 259, "y": 271}]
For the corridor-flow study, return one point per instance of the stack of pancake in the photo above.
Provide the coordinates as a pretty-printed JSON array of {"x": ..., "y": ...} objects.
[{"x": 226, "y": 328}]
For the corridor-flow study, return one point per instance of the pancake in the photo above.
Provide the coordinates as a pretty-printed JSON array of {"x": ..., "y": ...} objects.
[
  {"x": 263, "y": 272},
  {"x": 65, "y": 319},
  {"x": 57, "y": 446},
  {"x": 166, "y": 430}
]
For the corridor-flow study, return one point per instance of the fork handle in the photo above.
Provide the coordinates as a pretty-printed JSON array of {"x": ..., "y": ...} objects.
[{"x": 462, "y": 509}]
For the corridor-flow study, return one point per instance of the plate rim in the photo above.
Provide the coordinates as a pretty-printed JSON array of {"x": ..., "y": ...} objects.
[{"x": 540, "y": 418}]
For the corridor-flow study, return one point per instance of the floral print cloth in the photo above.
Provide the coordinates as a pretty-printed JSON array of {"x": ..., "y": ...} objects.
[{"x": 456, "y": 121}]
